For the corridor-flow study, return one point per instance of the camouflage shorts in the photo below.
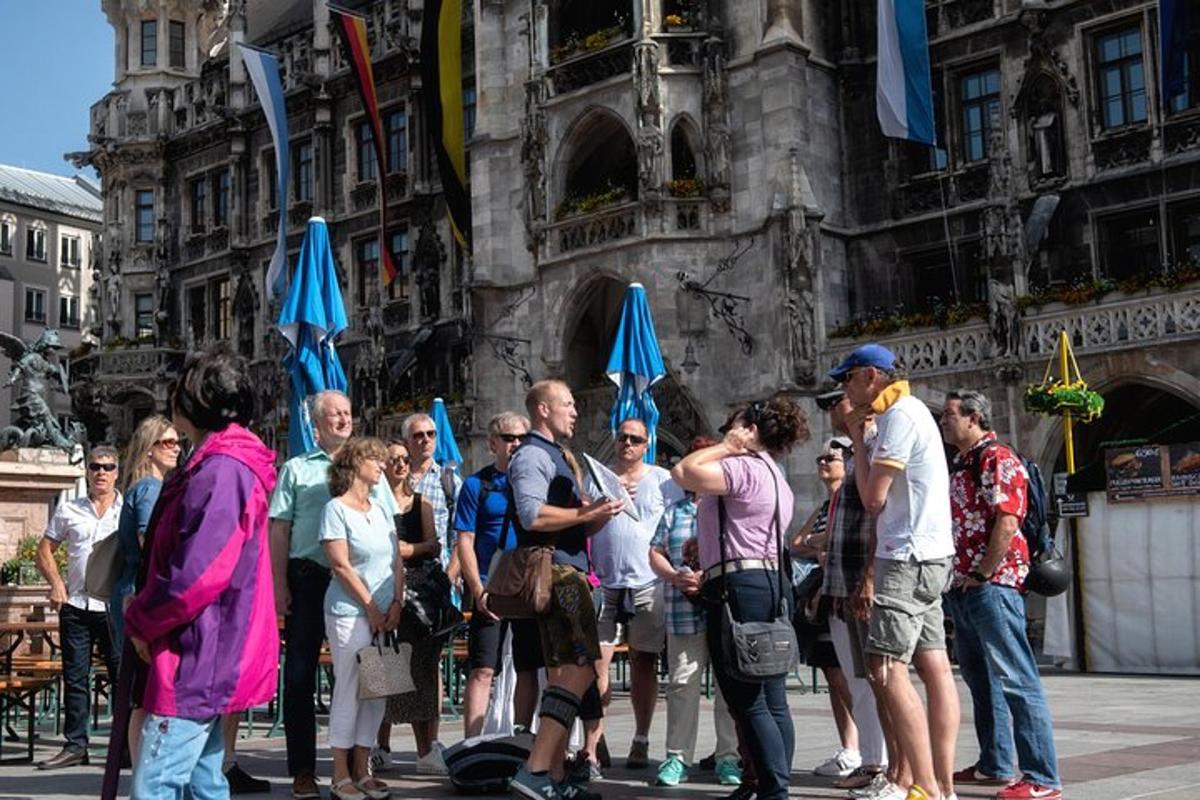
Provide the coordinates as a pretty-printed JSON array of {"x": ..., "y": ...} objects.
[{"x": 568, "y": 629}]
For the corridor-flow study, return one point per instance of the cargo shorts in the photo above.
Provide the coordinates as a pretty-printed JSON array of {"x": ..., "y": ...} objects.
[
  {"x": 907, "y": 614},
  {"x": 568, "y": 628}
]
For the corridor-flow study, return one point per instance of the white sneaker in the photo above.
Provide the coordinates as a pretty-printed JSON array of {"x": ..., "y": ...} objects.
[
  {"x": 880, "y": 788},
  {"x": 432, "y": 763},
  {"x": 380, "y": 760},
  {"x": 844, "y": 762}
]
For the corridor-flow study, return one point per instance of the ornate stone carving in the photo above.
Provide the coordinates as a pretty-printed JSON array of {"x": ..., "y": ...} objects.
[
  {"x": 716, "y": 126},
  {"x": 649, "y": 122},
  {"x": 428, "y": 258},
  {"x": 533, "y": 161},
  {"x": 1043, "y": 58},
  {"x": 1122, "y": 150}
]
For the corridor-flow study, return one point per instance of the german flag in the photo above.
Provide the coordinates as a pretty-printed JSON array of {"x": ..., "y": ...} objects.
[
  {"x": 353, "y": 29},
  {"x": 441, "y": 84}
]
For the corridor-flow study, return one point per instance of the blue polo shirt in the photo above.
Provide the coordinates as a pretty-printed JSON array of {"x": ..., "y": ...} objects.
[{"x": 487, "y": 522}]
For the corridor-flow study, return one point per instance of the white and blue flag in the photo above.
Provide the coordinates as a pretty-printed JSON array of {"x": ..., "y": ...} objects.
[
  {"x": 263, "y": 68},
  {"x": 903, "y": 90}
]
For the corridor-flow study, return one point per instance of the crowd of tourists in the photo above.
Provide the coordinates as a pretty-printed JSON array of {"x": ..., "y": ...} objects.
[{"x": 367, "y": 545}]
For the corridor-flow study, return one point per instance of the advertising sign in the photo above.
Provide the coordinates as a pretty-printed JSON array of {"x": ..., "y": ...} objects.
[{"x": 1152, "y": 470}]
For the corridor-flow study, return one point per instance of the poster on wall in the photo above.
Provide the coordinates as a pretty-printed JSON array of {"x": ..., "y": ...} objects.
[{"x": 1151, "y": 470}]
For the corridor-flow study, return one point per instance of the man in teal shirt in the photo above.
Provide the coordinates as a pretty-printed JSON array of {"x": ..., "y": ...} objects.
[{"x": 302, "y": 576}]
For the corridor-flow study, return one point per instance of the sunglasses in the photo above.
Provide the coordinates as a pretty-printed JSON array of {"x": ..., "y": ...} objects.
[
  {"x": 169, "y": 444},
  {"x": 849, "y": 376},
  {"x": 97, "y": 467},
  {"x": 509, "y": 438},
  {"x": 395, "y": 461},
  {"x": 828, "y": 459},
  {"x": 424, "y": 434},
  {"x": 631, "y": 438}
]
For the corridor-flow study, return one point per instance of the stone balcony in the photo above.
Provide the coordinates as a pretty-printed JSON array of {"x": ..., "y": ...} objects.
[
  {"x": 590, "y": 67},
  {"x": 138, "y": 363}
]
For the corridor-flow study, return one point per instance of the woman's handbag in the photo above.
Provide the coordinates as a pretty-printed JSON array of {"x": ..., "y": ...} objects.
[
  {"x": 384, "y": 668},
  {"x": 103, "y": 568},
  {"x": 756, "y": 651},
  {"x": 427, "y": 607}
]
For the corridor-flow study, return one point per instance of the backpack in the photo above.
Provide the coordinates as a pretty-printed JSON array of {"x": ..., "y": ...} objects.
[
  {"x": 1036, "y": 527},
  {"x": 484, "y": 764}
]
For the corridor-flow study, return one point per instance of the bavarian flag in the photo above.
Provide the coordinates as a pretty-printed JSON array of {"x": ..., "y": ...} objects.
[
  {"x": 353, "y": 30},
  {"x": 441, "y": 82}
]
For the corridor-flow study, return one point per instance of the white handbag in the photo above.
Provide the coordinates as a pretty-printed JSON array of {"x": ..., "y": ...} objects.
[{"x": 384, "y": 668}]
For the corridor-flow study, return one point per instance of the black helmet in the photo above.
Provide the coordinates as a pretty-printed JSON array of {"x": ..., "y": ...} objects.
[{"x": 1049, "y": 577}]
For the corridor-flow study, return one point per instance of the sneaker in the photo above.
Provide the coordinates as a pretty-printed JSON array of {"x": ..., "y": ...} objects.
[
  {"x": 844, "y": 762},
  {"x": 972, "y": 775},
  {"x": 533, "y": 787},
  {"x": 880, "y": 788},
  {"x": 639, "y": 755},
  {"x": 857, "y": 779},
  {"x": 1026, "y": 790},
  {"x": 581, "y": 770},
  {"x": 671, "y": 772},
  {"x": 729, "y": 773},
  {"x": 304, "y": 787},
  {"x": 569, "y": 791},
  {"x": 431, "y": 763},
  {"x": 744, "y": 792},
  {"x": 242, "y": 782},
  {"x": 380, "y": 760}
]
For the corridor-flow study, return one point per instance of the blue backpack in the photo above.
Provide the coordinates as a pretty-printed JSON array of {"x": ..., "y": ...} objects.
[{"x": 1036, "y": 527}]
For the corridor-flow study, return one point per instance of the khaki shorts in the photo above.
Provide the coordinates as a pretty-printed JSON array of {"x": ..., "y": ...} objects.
[
  {"x": 568, "y": 628},
  {"x": 646, "y": 631},
  {"x": 907, "y": 615}
]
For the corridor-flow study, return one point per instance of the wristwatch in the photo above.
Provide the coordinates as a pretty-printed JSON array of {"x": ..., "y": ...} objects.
[{"x": 976, "y": 575}]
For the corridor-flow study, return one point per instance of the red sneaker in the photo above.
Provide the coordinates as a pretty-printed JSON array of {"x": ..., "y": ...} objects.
[
  {"x": 971, "y": 775},
  {"x": 1028, "y": 790}
]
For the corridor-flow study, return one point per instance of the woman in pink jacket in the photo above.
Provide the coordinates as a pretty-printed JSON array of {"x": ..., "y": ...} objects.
[{"x": 204, "y": 619}]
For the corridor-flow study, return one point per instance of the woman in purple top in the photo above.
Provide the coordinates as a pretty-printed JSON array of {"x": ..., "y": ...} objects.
[{"x": 741, "y": 472}]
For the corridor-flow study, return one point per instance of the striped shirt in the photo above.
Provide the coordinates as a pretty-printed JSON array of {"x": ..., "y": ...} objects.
[{"x": 676, "y": 528}]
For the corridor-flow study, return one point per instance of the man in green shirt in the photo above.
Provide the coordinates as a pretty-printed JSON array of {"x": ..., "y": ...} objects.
[{"x": 302, "y": 575}]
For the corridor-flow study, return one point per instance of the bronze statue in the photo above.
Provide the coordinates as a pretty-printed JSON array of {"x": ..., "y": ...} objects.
[{"x": 35, "y": 373}]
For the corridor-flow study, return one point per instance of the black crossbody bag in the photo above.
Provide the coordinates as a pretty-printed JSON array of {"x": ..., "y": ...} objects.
[{"x": 756, "y": 651}]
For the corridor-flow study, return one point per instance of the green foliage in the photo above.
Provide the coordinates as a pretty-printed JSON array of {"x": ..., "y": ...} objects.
[
  {"x": 22, "y": 567},
  {"x": 1057, "y": 399}
]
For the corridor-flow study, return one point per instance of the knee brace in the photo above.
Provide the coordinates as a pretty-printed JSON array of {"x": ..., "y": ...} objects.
[{"x": 560, "y": 705}]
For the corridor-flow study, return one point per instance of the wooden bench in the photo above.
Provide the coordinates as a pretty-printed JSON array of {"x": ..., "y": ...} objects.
[{"x": 21, "y": 693}]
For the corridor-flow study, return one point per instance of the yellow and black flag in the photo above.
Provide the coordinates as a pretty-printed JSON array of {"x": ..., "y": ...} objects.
[
  {"x": 441, "y": 79},
  {"x": 353, "y": 30}
]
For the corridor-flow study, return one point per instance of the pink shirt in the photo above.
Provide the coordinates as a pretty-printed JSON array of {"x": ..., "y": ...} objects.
[{"x": 749, "y": 511}]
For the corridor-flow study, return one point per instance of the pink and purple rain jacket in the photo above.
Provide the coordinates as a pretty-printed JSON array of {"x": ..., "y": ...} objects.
[{"x": 207, "y": 608}]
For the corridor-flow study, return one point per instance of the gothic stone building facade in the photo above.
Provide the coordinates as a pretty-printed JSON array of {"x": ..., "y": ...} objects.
[{"x": 724, "y": 154}]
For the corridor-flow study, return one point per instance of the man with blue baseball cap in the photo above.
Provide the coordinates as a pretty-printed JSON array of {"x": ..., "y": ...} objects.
[{"x": 903, "y": 479}]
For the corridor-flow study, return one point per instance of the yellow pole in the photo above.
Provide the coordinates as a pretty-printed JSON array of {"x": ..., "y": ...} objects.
[{"x": 1068, "y": 434}]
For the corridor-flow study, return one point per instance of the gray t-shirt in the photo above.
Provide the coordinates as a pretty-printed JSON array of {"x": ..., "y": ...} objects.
[{"x": 621, "y": 550}]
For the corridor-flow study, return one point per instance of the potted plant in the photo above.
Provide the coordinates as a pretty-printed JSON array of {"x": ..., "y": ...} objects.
[{"x": 675, "y": 23}]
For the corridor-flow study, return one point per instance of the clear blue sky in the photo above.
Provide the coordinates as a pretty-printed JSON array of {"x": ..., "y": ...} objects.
[{"x": 56, "y": 57}]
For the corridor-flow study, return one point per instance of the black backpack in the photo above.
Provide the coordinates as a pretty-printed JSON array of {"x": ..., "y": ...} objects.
[{"x": 1036, "y": 527}]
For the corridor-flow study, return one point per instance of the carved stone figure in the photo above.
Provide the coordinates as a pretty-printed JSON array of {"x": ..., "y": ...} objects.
[
  {"x": 112, "y": 298},
  {"x": 1002, "y": 318},
  {"x": 427, "y": 267},
  {"x": 716, "y": 128},
  {"x": 533, "y": 159},
  {"x": 645, "y": 81},
  {"x": 783, "y": 21},
  {"x": 163, "y": 295},
  {"x": 650, "y": 157},
  {"x": 34, "y": 375},
  {"x": 212, "y": 30}
]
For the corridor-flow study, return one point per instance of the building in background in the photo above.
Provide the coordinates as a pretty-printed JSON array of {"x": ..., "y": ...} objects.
[{"x": 49, "y": 238}]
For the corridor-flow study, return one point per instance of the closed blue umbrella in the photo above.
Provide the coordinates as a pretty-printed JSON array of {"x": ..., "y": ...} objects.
[
  {"x": 636, "y": 364},
  {"x": 445, "y": 452},
  {"x": 312, "y": 317}
]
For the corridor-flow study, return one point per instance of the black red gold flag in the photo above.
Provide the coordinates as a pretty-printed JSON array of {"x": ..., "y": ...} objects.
[{"x": 442, "y": 91}]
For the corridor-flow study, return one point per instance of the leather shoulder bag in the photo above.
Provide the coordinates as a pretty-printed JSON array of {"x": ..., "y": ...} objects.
[{"x": 518, "y": 585}]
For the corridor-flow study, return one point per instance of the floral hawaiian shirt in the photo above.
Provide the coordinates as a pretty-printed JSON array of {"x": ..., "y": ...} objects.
[{"x": 977, "y": 494}]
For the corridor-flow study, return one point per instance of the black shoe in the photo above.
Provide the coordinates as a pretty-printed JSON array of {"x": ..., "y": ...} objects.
[
  {"x": 65, "y": 758},
  {"x": 743, "y": 792},
  {"x": 242, "y": 782},
  {"x": 708, "y": 763}
]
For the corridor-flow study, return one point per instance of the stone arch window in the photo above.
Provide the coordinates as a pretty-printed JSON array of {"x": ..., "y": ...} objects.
[
  {"x": 685, "y": 159},
  {"x": 1042, "y": 129},
  {"x": 600, "y": 165},
  {"x": 579, "y": 27}
]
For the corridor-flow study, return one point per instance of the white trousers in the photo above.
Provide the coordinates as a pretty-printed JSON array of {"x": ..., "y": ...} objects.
[
  {"x": 687, "y": 657},
  {"x": 866, "y": 714},
  {"x": 352, "y": 722}
]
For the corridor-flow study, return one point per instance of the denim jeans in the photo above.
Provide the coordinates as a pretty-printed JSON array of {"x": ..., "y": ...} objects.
[
  {"x": 180, "y": 755},
  {"x": 760, "y": 709},
  {"x": 304, "y": 629},
  {"x": 998, "y": 666},
  {"x": 79, "y": 630}
]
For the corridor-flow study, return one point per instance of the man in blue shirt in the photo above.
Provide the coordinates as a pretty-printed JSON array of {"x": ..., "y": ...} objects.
[{"x": 479, "y": 524}]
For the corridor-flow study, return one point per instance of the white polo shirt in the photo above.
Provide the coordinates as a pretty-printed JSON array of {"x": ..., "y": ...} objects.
[
  {"x": 915, "y": 521},
  {"x": 76, "y": 525}
]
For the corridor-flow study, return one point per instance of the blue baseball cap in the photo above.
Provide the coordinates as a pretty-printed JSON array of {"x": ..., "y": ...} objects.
[{"x": 869, "y": 355}]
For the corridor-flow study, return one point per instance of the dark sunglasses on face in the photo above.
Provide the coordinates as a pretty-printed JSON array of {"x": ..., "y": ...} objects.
[
  {"x": 508, "y": 438},
  {"x": 424, "y": 434},
  {"x": 98, "y": 467},
  {"x": 631, "y": 438},
  {"x": 396, "y": 461},
  {"x": 828, "y": 459}
]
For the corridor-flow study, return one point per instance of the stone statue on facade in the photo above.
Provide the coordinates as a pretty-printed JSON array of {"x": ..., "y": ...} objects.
[
  {"x": 35, "y": 374},
  {"x": 212, "y": 29},
  {"x": 1002, "y": 318},
  {"x": 112, "y": 293},
  {"x": 427, "y": 268},
  {"x": 533, "y": 157},
  {"x": 716, "y": 127}
]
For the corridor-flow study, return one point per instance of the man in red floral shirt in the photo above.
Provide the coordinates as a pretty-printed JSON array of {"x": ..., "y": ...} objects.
[{"x": 988, "y": 503}]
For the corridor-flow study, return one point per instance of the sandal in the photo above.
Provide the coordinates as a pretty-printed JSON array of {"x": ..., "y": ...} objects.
[
  {"x": 336, "y": 792},
  {"x": 374, "y": 788}
]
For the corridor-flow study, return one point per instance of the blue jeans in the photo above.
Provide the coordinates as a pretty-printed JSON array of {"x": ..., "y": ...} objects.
[
  {"x": 998, "y": 666},
  {"x": 178, "y": 755},
  {"x": 760, "y": 709},
  {"x": 304, "y": 630}
]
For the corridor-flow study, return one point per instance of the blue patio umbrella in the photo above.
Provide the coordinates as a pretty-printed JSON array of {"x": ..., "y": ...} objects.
[
  {"x": 446, "y": 452},
  {"x": 311, "y": 318},
  {"x": 635, "y": 365}
]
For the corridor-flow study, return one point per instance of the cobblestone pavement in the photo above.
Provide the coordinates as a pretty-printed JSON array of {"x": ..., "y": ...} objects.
[{"x": 1118, "y": 738}]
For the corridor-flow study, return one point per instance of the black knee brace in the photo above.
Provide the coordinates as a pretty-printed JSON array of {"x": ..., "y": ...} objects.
[{"x": 560, "y": 705}]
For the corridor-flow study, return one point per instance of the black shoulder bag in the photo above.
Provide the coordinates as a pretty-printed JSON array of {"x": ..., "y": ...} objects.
[{"x": 756, "y": 651}]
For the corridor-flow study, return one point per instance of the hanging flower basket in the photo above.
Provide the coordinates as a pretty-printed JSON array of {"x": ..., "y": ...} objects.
[{"x": 1056, "y": 399}]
